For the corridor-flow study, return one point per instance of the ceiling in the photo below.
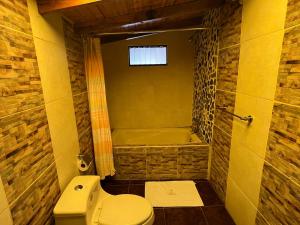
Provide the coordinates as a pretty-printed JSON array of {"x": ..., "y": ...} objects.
[{"x": 121, "y": 17}]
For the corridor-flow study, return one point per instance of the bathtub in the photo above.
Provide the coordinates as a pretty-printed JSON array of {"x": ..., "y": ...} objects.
[
  {"x": 165, "y": 136},
  {"x": 159, "y": 154}
]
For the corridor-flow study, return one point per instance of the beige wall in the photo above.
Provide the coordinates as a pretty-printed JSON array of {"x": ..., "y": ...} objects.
[
  {"x": 53, "y": 66},
  {"x": 146, "y": 97},
  {"x": 261, "y": 43}
]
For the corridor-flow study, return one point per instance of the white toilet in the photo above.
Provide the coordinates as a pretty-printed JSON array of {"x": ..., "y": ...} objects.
[{"x": 84, "y": 202}]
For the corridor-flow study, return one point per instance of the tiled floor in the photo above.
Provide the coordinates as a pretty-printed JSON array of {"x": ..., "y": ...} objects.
[{"x": 213, "y": 212}]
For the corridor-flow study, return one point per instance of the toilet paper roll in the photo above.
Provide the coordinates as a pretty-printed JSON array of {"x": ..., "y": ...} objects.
[{"x": 82, "y": 165}]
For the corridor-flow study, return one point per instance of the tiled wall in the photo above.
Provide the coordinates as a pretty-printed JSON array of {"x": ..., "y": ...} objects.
[
  {"x": 205, "y": 69},
  {"x": 74, "y": 46},
  {"x": 27, "y": 165},
  {"x": 228, "y": 63},
  {"x": 161, "y": 162},
  {"x": 51, "y": 54},
  {"x": 279, "y": 200}
]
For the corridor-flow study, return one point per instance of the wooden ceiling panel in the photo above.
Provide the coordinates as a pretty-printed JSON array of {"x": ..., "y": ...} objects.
[{"x": 108, "y": 16}]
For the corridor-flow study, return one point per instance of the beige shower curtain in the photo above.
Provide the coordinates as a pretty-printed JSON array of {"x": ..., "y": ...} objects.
[{"x": 98, "y": 107}]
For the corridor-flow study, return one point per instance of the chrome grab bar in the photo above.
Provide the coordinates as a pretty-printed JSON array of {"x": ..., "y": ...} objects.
[{"x": 249, "y": 118}]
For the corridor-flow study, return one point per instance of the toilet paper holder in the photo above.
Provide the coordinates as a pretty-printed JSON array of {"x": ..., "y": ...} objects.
[{"x": 83, "y": 162}]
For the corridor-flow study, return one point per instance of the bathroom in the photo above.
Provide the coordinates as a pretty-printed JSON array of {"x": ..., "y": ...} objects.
[{"x": 222, "y": 112}]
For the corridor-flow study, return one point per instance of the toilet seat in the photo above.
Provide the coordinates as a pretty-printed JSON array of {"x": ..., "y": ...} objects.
[{"x": 125, "y": 210}]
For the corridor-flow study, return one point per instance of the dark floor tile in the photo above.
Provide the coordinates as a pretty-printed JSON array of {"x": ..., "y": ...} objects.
[
  {"x": 208, "y": 194},
  {"x": 137, "y": 189},
  {"x": 116, "y": 189},
  {"x": 159, "y": 216},
  {"x": 111, "y": 181},
  {"x": 217, "y": 215},
  {"x": 184, "y": 216},
  {"x": 137, "y": 182}
]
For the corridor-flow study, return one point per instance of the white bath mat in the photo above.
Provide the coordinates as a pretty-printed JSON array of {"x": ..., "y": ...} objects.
[{"x": 172, "y": 194}]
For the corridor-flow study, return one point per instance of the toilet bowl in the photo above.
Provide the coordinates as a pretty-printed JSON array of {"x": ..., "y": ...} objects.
[{"x": 84, "y": 202}]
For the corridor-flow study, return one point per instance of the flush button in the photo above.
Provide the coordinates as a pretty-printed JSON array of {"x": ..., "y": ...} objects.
[{"x": 78, "y": 187}]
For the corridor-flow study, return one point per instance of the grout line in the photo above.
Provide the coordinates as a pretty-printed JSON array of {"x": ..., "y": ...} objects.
[
  {"x": 81, "y": 93},
  {"x": 226, "y": 91},
  {"x": 18, "y": 31},
  {"x": 230, "y": 135},
  {"x": 204, "y": 216},
  {"x": 231, "y": 46},
  {"x": 291, "y": 27},
  {"x": 283, "y": 103},
  {"x": 165, "y": 219},
  {"x": 24, "y": 111},
  {"x": 33, "y": 183}
]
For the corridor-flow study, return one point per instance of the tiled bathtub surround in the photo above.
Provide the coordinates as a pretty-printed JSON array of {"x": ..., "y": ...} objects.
[{"x": 161, "y": 162}]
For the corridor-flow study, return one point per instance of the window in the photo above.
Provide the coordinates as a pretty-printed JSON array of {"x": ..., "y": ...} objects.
[{"x": 147, "y": 55}]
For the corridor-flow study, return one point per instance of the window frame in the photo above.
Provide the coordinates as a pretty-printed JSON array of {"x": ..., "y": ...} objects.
[{"x": 149, "y": 46}]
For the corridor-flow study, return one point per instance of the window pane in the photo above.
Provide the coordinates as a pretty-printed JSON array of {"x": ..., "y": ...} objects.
[{"x": 148, "y": 55}]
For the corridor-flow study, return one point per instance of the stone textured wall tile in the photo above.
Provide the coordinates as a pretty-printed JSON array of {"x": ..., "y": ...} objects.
[
  {"x": 36, "y": 205},
  {"x": 293, "y": 13},
  {"x": 260, "y": 220},
  {"x": 283, "y": 150},
  {"x": 74, "y": 46},
  {"x": 193, "y": 162},
  {"x": 279, "y": 198},
  {"x": 162, "y": 162},
  {"x": 230, "y": 24},
  {"x": 218, "y": 176},
  {"x": 14, "y": 14},
  {"x": 130, "y": 163},
  {"x": 288, "y": 81},
  {"x": 20, "y": 84},
  {"x": 82, "y": 113},
  {"x": 224, "y": 120},
  {"x": 228, "y": 68},
  {"x": 25, "y": 150}
]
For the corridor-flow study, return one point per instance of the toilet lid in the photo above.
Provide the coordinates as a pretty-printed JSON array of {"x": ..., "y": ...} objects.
[{"x": 125, "y": 209}]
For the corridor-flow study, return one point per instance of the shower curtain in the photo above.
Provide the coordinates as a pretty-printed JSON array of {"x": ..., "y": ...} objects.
[{"x": 98, "y": 107}]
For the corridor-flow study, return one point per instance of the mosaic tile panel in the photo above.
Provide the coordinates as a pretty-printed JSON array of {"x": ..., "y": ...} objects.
[
  {"x": 20, "y": 84},
  {"x": 224, "y": 120},
  {"x": 230, "y": 24},
  {"x": 193, "y": 162},
  {"x": 82, "y": 113},
  {"x": 162, "y": 163},
  {"x": 279, "y": 198},
  {"x": 293, "y": 13},
  {"x": 36, "y": 205},
  {"x": 74, "y": 46},
  {"x": 228, "y": 66},
  {"x": 288, "y": 81},
  {"x": 283, "y": 150},
  {"x": 25, "y": 150},
  {"x": 205, "y": 67},
  {"x": 14, "y": 14}
]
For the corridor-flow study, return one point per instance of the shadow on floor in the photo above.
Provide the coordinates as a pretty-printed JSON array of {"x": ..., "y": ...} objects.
[{"x": 213, "y": 212}]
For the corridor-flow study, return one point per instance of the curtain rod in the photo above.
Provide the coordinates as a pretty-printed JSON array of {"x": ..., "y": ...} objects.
[{"x": 152, "y": 31}]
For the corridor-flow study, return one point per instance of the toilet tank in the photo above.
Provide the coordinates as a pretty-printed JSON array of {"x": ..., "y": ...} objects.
[{"x": 78, "y": 201}]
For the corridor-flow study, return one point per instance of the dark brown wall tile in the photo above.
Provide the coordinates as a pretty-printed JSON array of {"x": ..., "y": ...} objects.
[
  {"x": 283, "y": 150},
  {"x": 293, "y": 13},
  {"x": 230, "y": 24},
  {"x": 228, "y": 68},
  {"x": 14, "y": 14},
  {"x": 279, "y": 198},
  {"x": 288, "y": 81},
  {"x": 260, "y": 220},
  {"x": 224, "y": 120},
  {"x": 20, "y": 87},
  {"x": 82, "y": 113},
  {"x": 75, "y": 55},
  {"x": 25, "y": 150},
  {"x": 36, "y": 205}
]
